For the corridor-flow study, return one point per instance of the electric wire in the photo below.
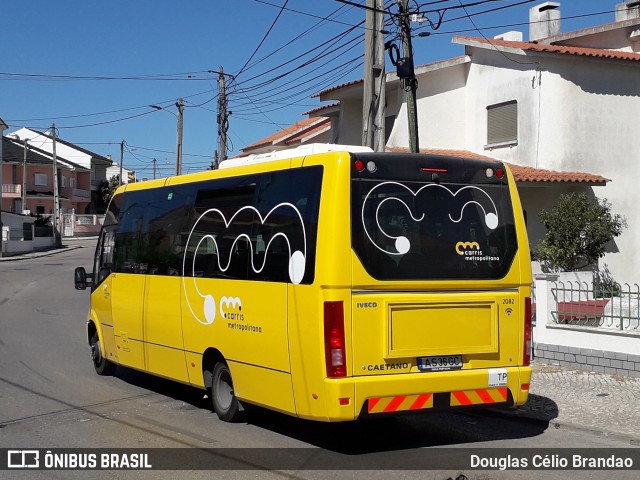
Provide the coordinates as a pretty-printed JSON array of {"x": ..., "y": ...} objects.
[
  {"x": 264, "y": 38},
  {"x": 496, "y": 48}
]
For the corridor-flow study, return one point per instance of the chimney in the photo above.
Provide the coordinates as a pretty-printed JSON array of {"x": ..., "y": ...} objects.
[
  {"x": 512, "y": 36},
  {"x": 544, "y": 21},
  {"x": 627, "y": 10}
]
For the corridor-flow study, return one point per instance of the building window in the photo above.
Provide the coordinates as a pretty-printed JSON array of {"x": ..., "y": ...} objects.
[
  {"x": 40, "y": 179},
  {"x": 502, "y": 124},
  {"x": 64, "y": 182},
  {"x": 72, "y": 182}
]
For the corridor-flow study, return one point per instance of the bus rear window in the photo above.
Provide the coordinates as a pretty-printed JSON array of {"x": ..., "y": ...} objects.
[{"x": 453, "y": 226}]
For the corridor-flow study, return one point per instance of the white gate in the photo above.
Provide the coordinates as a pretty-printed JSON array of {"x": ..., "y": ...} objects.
[{"x": 67, "y": 225}]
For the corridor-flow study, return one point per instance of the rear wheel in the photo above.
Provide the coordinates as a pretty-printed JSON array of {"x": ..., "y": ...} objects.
[
  {"x": 100, "y": 363},
  {"x": 225, "y": 403}
]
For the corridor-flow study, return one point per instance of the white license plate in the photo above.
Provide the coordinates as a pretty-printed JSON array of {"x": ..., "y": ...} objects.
[{"x": 440, "y": 363}]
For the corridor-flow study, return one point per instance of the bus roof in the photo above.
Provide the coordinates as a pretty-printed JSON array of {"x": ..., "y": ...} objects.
[{"x": 301, "y": 151}]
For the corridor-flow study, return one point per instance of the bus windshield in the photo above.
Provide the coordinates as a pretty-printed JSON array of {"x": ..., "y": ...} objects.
[{"x": 432, "y": 218}]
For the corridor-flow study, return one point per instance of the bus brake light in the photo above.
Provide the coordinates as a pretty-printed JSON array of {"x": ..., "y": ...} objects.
[{"x": 334, "y": 339}]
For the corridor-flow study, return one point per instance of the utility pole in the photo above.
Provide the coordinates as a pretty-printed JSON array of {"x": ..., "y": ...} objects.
[
  {"x": 180, "y": 105},
  {"x": 56, "y": 199},
  {"x": 216, "y": 163},
  {"x": 154, "y": 168},
  {"x": 374, "y": 101},
  {"x": 223, "y": 117},
  {"x": 121, "y": 161},
  {"x": 24, "y": 175},
  {"x": 408, "y": 77}
]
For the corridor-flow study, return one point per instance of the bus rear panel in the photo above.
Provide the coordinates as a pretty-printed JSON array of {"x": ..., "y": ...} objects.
[{"x": 439, "y": 309}]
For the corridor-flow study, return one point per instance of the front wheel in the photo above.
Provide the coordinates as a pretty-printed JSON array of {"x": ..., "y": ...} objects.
[
  {"x": 100, "y": 363},
  {"x": 225, "y": 403}
]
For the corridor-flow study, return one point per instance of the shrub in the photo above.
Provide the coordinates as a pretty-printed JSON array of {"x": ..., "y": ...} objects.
[{"x": 578, "y": 230}]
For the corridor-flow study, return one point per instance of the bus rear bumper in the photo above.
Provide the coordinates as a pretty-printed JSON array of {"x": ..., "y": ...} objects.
[{"x": 358, "y": 397}]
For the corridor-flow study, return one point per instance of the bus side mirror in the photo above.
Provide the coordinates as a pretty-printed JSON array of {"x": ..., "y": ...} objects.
[{"x": 82, "y": 280}]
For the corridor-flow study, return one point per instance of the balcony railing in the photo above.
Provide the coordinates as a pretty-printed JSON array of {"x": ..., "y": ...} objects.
[
  {"x": 77, "y": 192},
  {"x": 11, "y": 190}
]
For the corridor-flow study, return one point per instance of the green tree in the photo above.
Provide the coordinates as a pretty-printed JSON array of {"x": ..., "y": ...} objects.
[
  {"x": 108, "y": 188},
  {"x": 578, "y": 230}
]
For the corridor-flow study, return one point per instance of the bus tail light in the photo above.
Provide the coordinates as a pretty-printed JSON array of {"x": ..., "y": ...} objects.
[
  {"x": 334, "y": 341},
  {"x": 526, "y": 357}
]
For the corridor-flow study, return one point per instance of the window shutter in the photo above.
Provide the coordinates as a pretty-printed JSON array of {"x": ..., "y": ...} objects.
[{"x": 502, "y": 123}]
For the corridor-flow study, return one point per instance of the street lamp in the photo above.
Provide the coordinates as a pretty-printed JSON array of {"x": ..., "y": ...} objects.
[{"x": 180, "y": 105}]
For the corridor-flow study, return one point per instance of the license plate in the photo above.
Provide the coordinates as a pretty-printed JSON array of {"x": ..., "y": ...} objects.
[{"x": 440, "y": 363}]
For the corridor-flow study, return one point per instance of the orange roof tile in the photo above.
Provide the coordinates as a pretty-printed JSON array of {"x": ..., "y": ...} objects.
[
  {"x": 530, "y": 174},
  {"x": 538, "y": 47},
  {"x": 337, "y": 87},
  {"x": 323, "y": 126},
  {"x": 520, "y": 173},
  {"x": 281, "y": 135},
  {"x": 321, "y": 108}
]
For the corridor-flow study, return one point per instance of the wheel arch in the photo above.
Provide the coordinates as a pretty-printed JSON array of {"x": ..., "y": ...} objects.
[
  {"x": 93, "y": 327},
  {"x": 210, "y": 357}
]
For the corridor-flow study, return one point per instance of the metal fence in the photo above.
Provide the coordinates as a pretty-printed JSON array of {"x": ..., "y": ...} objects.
[
  {"x": 89, "y": 219},
  {"x": 611, "y": 306}
]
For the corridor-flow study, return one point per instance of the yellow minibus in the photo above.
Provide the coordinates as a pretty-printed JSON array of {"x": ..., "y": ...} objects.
[{"x": 331, "y": 286}]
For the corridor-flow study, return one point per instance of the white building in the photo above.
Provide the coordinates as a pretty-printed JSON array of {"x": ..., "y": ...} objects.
[
  {"x": 562, "y": 103},
  {"x": 96, "y": 163}
]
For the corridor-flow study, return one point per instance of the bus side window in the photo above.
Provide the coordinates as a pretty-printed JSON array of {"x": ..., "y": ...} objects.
[{"x": 220, "y": 227}]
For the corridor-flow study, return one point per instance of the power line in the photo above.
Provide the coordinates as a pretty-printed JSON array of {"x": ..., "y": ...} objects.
[
  {"x": 303, "y": 75},
  {"x": 264, "y": 38},
  {"x": 146, "y": 106},
  {"x": 306, "y": 84},
  {"x": 298, "y": 37},
  {"x": 504, "y": 7},
  {"x": 364, "y": 7},
  {"x": 175, "y": 77},
  {"x": 499, "y": 51},
  {"x": 305, "y": 13},
  {"x": 328, "y": 43},
  {"x": 509, "y": 25},
  {"x": 137, "y": 147}
]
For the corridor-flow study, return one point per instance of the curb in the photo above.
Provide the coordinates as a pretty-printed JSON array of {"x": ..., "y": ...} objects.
[
  {"x": 561, "y": 424},
  {"x": 46, "y": 253}
]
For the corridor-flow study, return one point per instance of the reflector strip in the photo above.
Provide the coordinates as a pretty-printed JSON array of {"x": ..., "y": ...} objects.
[
  {"x": 461, "y": 398},
  {"x": 478, "y": 397},
  {"x": 400, "y": 403},
  {"x": 395, "y": 403}
]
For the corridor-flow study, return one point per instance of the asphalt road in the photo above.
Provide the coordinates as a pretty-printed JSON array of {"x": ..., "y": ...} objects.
[{"x": 50, "y": 397}]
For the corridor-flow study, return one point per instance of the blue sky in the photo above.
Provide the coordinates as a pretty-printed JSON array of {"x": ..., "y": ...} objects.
[{"x": 170, "y": 46}]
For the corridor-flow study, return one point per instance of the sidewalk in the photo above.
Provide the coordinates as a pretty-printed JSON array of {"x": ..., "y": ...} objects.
[
  {"x": 596, "y": 402},
  {"x": 68, "y": 245}
]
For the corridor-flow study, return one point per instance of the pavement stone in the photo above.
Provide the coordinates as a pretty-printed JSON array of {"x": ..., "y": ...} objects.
[{"x": 600, "y": 402}]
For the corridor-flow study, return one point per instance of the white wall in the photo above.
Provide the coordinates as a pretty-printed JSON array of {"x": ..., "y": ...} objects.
[
  {"x": 575, "y": 113},
  {"x": 441, "y": 107},
  {"x": 581, "y": 116},
  {"x": 350, "y": 122},
  {"x": 46, "y": 144}
]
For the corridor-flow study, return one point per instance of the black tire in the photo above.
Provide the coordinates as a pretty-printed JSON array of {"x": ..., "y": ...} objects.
[
  {"x": 225, "y": 403},
  {"x": 103, "y": 366}
]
